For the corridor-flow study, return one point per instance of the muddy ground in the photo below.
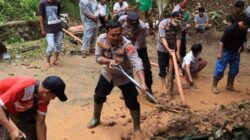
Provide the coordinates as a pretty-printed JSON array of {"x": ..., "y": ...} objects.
[{"x": 204, "y": 110}]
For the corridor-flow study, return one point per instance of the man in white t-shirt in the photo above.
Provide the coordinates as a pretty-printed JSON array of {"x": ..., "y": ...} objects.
[
  {"x": 193, "y": 63},
  {"x": 119, "y": 9},
  {"x": 104, "y": 13}
]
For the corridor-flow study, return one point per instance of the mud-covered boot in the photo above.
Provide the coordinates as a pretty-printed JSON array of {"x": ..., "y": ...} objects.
[
  {"x": 230, "y": 83},
  {"x": 96, "y": 116},
  {"x": 135, "y": 114},
  {"x": 214, "y": 87}
]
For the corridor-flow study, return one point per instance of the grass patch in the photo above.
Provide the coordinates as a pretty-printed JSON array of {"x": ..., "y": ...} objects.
[{"x": 15, "y": 48}]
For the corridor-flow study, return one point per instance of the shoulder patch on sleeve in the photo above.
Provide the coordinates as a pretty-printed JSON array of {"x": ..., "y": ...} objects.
[
  {"x": 162, "y": 26},
  {"x": 28, "y": 93},
  {"x": 103, "y": 45},
  {"x": 99, "y": 44},
  {"x": 130, "y": 49}
]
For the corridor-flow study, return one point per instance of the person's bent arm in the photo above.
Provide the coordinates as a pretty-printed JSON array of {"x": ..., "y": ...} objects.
[
  {"x": 12, "y": 129},
  {"x": 196, "y": 24},
  {"x": 106, "y": 61},
  {"x": 115, "y": 9},
  {"x": 85, "y": 11},
  {"x": 140, "y": 75},
  {"x": 137, "y": 65},
  {"x": 41, "y": 25},
  {"x": 165, "y": 43},
  {"x": 178, "y": 46},
  {"x": 41, "y": 127},
  {"x": 189, "y": 77},
  {"x": 220, "y": 50},
  {"x": 90, "y": 15}
]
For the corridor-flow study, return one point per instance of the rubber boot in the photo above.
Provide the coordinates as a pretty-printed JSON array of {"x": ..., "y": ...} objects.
[
  {"x": 214, "y": 87},
  {"x": 135, "y": 114},
  {"x": 96, "y": 116},
  {"x": 230, "y": 83}
]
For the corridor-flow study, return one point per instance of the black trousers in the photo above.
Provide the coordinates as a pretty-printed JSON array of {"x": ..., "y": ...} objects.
[
  {"x": 129, "y": 93},
  {"x": 147, "y": 67},
  {"x": 163, "y": 61},
  {"x": 103, "y": 22},
  {"x": 183, "y": 44},
  {"x": 26, "y": 125}
]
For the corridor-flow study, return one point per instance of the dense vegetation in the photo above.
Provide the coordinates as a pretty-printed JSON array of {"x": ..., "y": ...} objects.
[{"x": 11, "y": 10}]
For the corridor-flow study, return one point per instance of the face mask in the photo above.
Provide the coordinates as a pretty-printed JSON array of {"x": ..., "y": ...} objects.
[
  {"x": 197, "y": 55},
  {"x": 174, "y": 23}
]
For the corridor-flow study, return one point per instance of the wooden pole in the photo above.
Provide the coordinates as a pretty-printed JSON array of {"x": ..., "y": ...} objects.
[
  {"x": 177, "y": 76},
  {"x": 72, "y": 35},
  {"x": 154, "y": 64}
]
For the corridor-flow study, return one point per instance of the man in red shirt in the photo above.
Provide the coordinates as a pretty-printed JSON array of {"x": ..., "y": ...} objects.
[{"x": 24, "y": 104}]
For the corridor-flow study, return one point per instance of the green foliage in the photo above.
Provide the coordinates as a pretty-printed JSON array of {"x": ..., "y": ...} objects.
[
  {"x": 72, "y": 8},
  {"x": 216, "y": 17},
  {"x": 15, "y": 46},
  {"x": 11, "y": 10}
]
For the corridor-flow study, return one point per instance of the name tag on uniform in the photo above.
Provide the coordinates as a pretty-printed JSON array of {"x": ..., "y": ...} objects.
[{"x": 28, "y": 93}]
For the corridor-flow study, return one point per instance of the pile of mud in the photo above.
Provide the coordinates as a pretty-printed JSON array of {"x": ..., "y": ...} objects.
[{"x": 170, "y": 119}]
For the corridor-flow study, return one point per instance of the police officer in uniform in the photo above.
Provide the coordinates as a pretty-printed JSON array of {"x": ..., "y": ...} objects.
[
  {"x": 135, "y": 30},
  {"x": 111, "y": 49},
  {"x": 168, "y": 41}
]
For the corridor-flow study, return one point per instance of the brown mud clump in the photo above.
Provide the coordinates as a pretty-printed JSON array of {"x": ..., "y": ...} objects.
[{"x": 170, "y": 118}]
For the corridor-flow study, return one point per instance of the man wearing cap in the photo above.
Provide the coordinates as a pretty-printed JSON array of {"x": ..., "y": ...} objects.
[
  {"x": 180, "y": 7},
  {"x": 111, "y": 49},
  {"x": 238, "y": 14},
  {"x": 168, "y": 43},
  {"x": 230, "y": 47},
  {"x": 135, "y": 30},
  {"x": 24, "y": 104}
]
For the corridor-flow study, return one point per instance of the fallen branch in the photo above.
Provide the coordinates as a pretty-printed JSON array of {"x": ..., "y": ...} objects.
[
  {"x": 72, "y": 35},
  {"x": 154, "y": 64},
  {"x": 22, "y": 50}
]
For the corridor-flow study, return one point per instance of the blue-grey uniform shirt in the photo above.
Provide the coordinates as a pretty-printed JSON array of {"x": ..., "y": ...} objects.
[
  {"x": 169, "y": 32},
  {"x": 137, "y": 35},
  {"x": 124, "y": 53}
]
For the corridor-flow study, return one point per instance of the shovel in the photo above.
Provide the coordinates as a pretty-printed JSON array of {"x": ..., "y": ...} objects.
[{"x": 119, "y": 68}]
